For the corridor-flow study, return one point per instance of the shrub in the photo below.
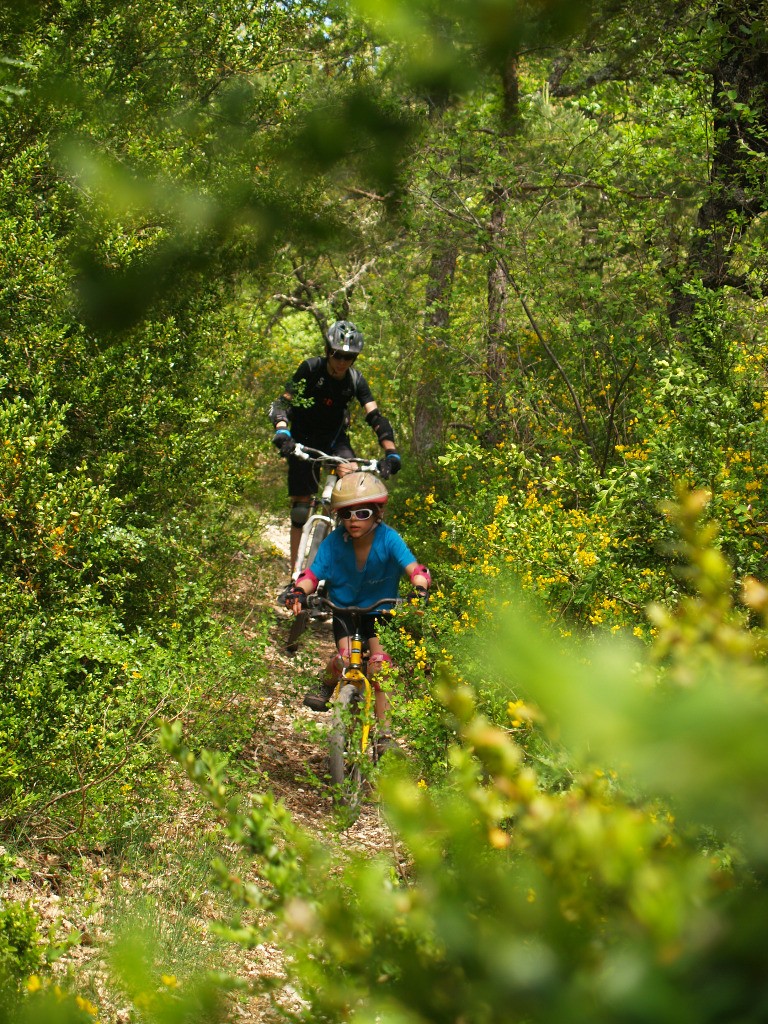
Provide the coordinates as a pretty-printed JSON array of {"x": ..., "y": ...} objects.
[
  {"x": 20, "y": 947},
  {"x": 634, "y": 893}
]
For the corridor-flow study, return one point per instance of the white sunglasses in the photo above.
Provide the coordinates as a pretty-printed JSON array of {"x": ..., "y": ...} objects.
[{"x": 356, "y": 513}]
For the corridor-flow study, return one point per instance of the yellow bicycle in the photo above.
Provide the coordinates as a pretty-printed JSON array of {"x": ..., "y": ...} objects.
[{"x": 353, "y": 739}]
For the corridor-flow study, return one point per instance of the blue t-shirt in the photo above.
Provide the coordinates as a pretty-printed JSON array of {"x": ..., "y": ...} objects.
[{"x": 347, "y": 585}]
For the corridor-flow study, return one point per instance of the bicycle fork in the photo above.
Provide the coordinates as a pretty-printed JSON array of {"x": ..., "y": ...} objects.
[
  {"x": 305, "y": 542},
  {"x": 316, "y": 520},
  {"x": 354, "y": 675}
]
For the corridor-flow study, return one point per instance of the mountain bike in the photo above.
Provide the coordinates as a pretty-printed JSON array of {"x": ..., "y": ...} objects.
[
  {"x": 353, "y": 742},
  {"x": 317, "y": 527}
]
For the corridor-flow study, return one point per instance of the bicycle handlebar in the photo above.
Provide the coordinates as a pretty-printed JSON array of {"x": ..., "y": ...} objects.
[
  {"x": 303, "y": 451},
  {"x": 317, "y": 600}
]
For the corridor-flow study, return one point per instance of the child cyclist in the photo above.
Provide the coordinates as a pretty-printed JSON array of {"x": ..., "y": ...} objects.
[{"x": 361, "y": 562}]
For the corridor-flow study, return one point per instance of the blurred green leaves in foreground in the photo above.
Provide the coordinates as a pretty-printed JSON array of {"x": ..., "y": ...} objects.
[
  {"x": 636, "y": 892},
  {"x": 689, "y": 724},
  {"x": 453, "y": 43}
]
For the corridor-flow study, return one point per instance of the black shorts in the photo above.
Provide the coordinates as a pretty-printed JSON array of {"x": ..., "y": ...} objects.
[
  {"x": 343, "y": 625},
  {"x": 305, "y": 477}
]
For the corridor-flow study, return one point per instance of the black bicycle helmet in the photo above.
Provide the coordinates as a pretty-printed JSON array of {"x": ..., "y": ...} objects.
[{"x": 343, "y": 336}]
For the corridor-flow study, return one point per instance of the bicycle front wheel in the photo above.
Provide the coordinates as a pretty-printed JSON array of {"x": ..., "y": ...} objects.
[
  {"x": 298, "y": 626},
  {"x": 320, "y": 531},
  {"x": 346, "y": 753}
]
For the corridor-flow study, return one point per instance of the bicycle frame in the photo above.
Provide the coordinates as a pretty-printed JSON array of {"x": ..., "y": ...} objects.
[
  {"x": 318, "y": 524},
  {"x": 355, "y": 675},
  {"x": 353, "y": 688}
]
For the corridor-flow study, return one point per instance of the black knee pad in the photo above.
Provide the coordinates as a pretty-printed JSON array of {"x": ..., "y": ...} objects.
[{"x": 300, "y": 513}]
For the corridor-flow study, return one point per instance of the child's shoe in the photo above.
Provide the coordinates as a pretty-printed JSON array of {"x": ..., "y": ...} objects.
[{"x": 320, "y": 700}]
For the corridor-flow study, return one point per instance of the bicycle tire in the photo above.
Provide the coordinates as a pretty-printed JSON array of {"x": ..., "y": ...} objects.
[
  {"x": 321, "y": 532},
  {"x": 301, "y": 621},
  {"x": 346, "y": 772},
  {"x": 298, "y": 626}
]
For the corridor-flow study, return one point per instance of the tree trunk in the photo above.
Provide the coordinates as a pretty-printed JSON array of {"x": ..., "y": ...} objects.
[
  {"x": 429, "y": 414},
  {"x": 496, "y": 350},
  {"x": 736, "y": 195},
  {"x": 496, "y": 345}
]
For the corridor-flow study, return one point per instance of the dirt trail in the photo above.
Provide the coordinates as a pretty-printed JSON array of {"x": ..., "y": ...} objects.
[
  {"x": 281, "y": 746},
  {"x": 282, "y": 750}
]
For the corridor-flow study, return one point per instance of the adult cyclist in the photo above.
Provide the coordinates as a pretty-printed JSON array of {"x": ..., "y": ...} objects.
[{"x": 313, "y": 410}]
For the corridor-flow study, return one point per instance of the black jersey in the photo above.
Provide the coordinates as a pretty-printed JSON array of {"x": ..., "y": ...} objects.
[{"x": 316, "y": 404}]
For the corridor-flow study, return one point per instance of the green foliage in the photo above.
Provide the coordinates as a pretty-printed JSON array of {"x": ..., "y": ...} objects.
[
  {"x": 446, "y": 46},
  {"x": 636, "y": 892},
  {"x": 115, "y": 473},
  {"x": 20, "y": 946},
  {"x": 162, "y": 162},
  {"x": 121, "y": 450}
]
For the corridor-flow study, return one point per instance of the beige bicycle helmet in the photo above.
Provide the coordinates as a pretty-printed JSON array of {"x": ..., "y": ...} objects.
[{"x": 358, "y": 489}]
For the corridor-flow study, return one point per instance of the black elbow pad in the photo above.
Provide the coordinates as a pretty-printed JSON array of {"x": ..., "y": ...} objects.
[
  {"x": 381, "y": 426},
  {"x": 279, "y": 412}
]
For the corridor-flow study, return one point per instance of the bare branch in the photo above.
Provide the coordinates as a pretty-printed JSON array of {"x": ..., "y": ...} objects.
[{"x": 348, "y": 286}]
